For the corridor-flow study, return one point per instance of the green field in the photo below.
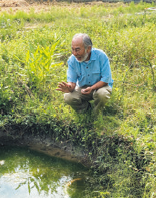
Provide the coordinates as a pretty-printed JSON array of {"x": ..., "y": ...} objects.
[{"x": 121, "y": 140}]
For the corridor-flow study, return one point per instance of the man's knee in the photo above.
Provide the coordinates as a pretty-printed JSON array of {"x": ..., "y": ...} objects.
[
  {"x": 70, "y": 99},
  {"x": 103, "y": 93}
]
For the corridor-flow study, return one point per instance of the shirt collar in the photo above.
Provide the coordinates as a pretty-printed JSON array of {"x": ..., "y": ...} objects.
[{"x": 93, "y": 56}]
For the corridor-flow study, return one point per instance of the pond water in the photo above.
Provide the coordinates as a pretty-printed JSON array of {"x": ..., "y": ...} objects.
[{"x": 27, "y": 173}]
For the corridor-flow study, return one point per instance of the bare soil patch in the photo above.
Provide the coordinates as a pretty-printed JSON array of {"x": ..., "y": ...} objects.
[
  {"x": 22, "y": 5},
  {"x": 13, "y": 3},
  {"x": 11, "y": 136},
  {"x": 40, "y": 5}
]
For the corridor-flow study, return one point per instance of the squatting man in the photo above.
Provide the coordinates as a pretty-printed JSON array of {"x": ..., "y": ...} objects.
[{"x": 88, "y": 76}]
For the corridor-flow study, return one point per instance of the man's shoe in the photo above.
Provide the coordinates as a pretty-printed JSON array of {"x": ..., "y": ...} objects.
[{"x": 89, "y": 108}]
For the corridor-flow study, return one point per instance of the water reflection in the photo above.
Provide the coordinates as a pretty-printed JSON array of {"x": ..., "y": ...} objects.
[{"x": 26, "y": 173}]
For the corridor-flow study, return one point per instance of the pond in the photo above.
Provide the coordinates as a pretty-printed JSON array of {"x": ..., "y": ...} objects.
[{"x": 28, "y": 173}]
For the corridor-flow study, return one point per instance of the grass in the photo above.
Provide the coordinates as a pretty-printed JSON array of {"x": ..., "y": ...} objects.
[{"x": 121, "y": 140}]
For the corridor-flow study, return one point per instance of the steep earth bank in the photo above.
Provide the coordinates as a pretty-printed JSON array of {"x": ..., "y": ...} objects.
[{"x": 44, "y": 143}]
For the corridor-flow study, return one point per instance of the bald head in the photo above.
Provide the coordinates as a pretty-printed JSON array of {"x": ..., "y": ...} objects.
[{"x": 84, "y": 39}]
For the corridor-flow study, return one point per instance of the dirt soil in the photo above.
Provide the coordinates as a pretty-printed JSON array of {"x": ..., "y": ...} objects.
[
  {"x": 40, "y": 5},
  {"x": 15, "y": 5},
  {"x": 44, "y": 144}
]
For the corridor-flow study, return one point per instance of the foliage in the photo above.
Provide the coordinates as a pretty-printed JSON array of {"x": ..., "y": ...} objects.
[{"x": 121, "y": 140}]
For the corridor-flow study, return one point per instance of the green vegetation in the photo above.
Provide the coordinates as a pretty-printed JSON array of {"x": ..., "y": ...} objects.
[{"x": 121, "y": 140}]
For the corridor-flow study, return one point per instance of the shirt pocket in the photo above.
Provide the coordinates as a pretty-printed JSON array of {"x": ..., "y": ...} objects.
[{"x": 96, "y": 75}]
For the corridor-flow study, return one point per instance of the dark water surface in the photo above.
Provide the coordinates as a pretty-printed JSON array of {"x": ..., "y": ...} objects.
[{"x": 26, "y": 173}]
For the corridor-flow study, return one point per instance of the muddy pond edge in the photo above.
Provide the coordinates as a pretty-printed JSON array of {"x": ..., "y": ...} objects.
[{"x": 45, "y": 144}]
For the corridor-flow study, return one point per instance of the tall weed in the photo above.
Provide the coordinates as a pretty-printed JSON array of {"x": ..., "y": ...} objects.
[{"x": 34, "y": 49}]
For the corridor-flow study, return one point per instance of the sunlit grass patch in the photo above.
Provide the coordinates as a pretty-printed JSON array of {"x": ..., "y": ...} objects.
[{"x": 34, "y": 50}]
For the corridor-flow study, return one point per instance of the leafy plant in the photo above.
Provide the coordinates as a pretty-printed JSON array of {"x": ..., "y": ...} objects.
[{"x": 120, "y": 141}]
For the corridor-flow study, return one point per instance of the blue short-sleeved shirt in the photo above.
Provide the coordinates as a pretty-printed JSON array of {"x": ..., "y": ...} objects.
[{"x": 89, "y": 73}]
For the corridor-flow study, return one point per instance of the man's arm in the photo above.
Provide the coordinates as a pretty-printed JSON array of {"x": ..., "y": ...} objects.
[
  {"x": 66, "y": 87},
  {"x": 96, "y": 86}
]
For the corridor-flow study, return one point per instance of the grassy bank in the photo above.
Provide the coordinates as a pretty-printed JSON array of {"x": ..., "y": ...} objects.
[{"x": 121, "y": 140}]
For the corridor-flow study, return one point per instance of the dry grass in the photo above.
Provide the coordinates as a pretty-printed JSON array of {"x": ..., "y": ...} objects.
[{"x": 26, "y": 6}]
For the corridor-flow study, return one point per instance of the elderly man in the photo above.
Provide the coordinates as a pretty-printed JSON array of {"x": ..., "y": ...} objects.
[{"x": 88, "y": 76}]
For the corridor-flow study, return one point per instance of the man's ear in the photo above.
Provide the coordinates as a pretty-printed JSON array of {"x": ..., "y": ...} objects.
[{"x": 89, "y": 49}]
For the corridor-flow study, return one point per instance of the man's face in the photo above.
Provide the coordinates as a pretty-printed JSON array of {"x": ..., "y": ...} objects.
[{"x": 79, "y": 51}]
